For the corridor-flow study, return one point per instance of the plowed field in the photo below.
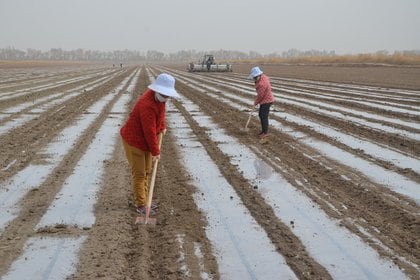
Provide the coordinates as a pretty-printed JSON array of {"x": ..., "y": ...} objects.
[{"x": 334, "y": 194}]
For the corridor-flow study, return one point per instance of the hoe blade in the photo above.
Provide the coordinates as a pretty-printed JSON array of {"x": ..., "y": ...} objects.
[{"x": 145, "y": 221}]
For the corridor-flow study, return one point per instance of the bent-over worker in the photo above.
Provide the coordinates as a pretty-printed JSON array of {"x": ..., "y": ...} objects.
[{"x": 140, "y": 135}]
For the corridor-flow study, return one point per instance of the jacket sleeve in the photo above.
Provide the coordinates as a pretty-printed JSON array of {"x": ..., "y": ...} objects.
[{"x": 149, "y": 119}]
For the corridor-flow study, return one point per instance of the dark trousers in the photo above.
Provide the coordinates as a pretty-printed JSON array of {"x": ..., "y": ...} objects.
[{"x": 263, "y": 114}]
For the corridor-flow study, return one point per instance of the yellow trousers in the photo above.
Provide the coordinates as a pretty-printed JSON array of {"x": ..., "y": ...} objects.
[{"x": 140, "y": 163}]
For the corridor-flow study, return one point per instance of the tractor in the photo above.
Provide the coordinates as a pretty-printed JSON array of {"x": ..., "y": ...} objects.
[{"x": 208, "y": 64}]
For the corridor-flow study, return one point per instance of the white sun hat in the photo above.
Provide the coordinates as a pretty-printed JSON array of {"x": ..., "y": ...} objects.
[
  {"x": 255, "y": 71},
  {"x": 164, "y": 84}
]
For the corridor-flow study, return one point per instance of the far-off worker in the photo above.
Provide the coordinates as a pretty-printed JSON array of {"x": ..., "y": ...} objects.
[{"x": 264, "y": 98}]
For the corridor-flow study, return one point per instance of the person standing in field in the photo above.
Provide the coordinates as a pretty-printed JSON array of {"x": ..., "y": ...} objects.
[
  {"x": 264, "y": 99},
  {"x": 140, "y": 135}
]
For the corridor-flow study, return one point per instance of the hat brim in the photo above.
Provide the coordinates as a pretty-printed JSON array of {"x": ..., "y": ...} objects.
[
  {"x": 253, "y": 75},
  {"x": 164, "y": 90}
]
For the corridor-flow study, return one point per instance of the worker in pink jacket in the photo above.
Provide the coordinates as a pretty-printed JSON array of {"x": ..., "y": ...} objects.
[{"x": 264, "y": 99}]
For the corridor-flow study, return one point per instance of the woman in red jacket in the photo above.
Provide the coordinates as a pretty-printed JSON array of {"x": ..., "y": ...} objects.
[
  {"x": 265, "y": 97},
  {"x": 140, "y": 135}
]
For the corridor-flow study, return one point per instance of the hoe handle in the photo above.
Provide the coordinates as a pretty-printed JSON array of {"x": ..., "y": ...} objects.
[
  {"x": 152, "y": 182},
  {"x": 249, "y": 118}
]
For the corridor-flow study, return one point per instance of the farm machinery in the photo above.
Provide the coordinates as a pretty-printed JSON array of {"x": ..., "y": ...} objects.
[{"x": 208, "y": 64}]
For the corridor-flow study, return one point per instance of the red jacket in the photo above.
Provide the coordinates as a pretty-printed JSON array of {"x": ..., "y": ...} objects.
[
  {"x": 263, "y": 88},
  {"x": 144, "y": 124}
]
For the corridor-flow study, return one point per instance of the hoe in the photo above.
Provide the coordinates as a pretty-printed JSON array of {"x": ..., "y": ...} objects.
[
  {"x": 147, "y": 220},
  {"x": 246, "y": 129}
]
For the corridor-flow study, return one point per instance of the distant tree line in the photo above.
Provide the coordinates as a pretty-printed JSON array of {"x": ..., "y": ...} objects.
[{"x": 11, "y": 53}]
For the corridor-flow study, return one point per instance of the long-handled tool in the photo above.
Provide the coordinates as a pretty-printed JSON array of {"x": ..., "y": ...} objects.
[
  {"x": 246, "y": 129},
  {"x": 147, "y": 220}
]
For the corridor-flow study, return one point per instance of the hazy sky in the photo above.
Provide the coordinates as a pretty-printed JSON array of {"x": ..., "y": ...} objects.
[{"x": 265, "y": 26}]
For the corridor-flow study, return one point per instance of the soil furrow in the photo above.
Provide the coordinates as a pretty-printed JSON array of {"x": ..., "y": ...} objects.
[
  {"x": 397, "y": 142},
  {"x": 178, "y": 247},
  {"x": 146, "y": 252},
  {"x": 355, "y": 199},
  {"x": 286, "y": 242},
  {"x": 40, "y": 131},
  {"x": 36, "y": 202},
  {"x": 34, "y": 95},
  {"x": 40, "y": 81}
]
